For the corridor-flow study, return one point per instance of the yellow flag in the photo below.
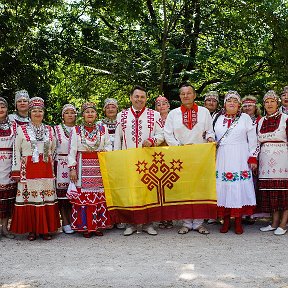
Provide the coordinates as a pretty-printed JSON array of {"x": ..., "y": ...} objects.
[{"x": 160, "y": 183}]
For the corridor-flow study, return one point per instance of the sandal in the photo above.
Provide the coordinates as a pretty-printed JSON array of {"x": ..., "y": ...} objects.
[
  {"x": 183, "y": 230},
  {"x": 169, "y": 225},
  {"x": 31, "y": 236},
  {"x": 162, "y": 225},
  {"x": 202, "y": 230}
]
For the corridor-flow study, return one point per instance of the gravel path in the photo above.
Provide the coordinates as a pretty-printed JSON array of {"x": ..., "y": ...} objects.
[{"x": 253, "y": 259}]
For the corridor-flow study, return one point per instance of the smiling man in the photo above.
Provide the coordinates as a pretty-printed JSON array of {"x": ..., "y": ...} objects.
[
  {"x": 138, "y": 127},
  {"x": 189, "y": 124}
]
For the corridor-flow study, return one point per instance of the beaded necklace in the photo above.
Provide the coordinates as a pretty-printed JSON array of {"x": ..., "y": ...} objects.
[
  {"x": 20, "y": 118},
  {"x": 90, "y": 136},
  {"x": 5, "y": 124},
  {"x": 272, "y": 115},
  {"x": 66, "y": 131}
]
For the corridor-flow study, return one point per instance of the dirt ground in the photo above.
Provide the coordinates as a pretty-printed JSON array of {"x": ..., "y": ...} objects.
[{"x": 254, "y": 259}]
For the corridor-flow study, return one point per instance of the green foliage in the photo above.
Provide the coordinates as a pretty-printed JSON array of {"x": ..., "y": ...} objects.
[{"x": 71, "y": 51}]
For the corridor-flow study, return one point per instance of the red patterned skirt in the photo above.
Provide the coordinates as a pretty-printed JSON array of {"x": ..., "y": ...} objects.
[
  {"x": 272, "y": 195},
  {"x": 36, "y": 208},
  {"x": 89, "y": 210}
]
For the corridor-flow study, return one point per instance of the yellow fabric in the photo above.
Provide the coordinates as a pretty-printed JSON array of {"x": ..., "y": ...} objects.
[{"x": 173, "y": 175}]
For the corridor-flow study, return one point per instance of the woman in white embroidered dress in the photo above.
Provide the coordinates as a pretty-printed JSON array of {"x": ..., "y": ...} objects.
[
  {"x": 36, "y": 208},
  {"x": 236, "y": 159},
  {"x": 7, "y": 185},
  {"x": 21, "y": 108},
  {"x": 89, "y": 211},
  {"x": 62, "y": 133},
  {"x": 273, "y": 165}
]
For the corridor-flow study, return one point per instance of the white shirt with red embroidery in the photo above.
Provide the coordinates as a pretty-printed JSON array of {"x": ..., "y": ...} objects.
[
  {"x": 134, "y": 128},
  {"x": 176, "y": 133}
]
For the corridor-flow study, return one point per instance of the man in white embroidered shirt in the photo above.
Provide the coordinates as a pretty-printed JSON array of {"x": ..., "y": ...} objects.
[
  {"x": 138, "y": 127},
  {"x": 189, "y": 124}
]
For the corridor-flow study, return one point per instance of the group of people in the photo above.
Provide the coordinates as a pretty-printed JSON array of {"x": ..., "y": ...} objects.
[{"x": 251, "y": 162}]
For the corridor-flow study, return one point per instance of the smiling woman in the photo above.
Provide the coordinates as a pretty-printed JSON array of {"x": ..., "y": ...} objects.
[
  {"x": 21, "y": 104},
  {"x": 235, "y": 163},
  {"x": 89, "y": 211},
  {"x": 273, "y": 165},
  {"x": 36, "y": 208}
]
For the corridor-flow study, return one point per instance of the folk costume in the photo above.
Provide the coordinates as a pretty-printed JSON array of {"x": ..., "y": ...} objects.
[
  {"x": 187, "y": 126},
  {"x": 20, "y": 120},
  {"x": 7, "y": 185},
  {"x": 36, "y": 208},
  {"x": 237, "y": 148},
  {"x": 62, "y": 134},
  {"x": 89, "y": 211},
  {"x": 273, "y": 163}
]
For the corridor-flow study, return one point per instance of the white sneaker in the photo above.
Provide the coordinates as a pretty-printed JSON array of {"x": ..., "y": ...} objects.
[
  {"x": 267, "y": 228},
  {"x": 149, "y": 229},
  {"x": 130, "y": 230},
  {"x": 67, "y": 229},
  {"x": 280, "y": 231}
]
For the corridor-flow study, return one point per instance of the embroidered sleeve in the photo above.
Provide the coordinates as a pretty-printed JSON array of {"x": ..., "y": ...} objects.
[
  {"x": 158, "y": 137},
  {"x": 16, "y": 163},
  {"x": 118, "y": 133},
  {"x": 72, "y": 150},
  {"x": 168, "y": 131},
  {"x": 53, "y": 146},
  {"x": 253, "y": 144},
  {"x": 208, "y": 126},
  {"x": 107, "y": 142}
]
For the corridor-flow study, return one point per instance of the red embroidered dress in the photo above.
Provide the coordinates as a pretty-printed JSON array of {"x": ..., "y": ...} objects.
[
  {"x": 7, "y": 185},
  {"x": 89, "y": 210},
  {"x": 273, "y": 163},
  {"x": 36, "y": 207}
]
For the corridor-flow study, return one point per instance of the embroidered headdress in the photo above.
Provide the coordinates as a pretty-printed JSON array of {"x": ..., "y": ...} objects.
[
  {"x": 88, "y": 105},
  {"x": 271, "y": 94},
  {"x": 232, "y": 94},
  {"x": 3, "y": 101},
  {"x": 110, "y": 101},
  {"x": 212, "y": 95},
  {"x": 161, "y": 99},
  {"x": 249, "y": 100},
  {"x": 21, "y": 94},
  {"x": 36, "y": 102},
  {"x": 68, "y": 107}
]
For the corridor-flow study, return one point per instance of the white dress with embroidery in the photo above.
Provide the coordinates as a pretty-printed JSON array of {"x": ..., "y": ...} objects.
[
  {"x": 62, "y": 170},
  {"x": 234, "y": 183},
  {"x": 132, "y": 130}
]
